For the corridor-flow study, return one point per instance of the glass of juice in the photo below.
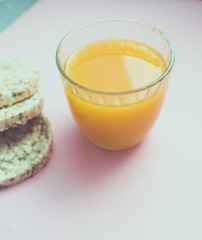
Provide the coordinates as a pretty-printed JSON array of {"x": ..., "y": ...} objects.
[{"x": 115, "y": 74}]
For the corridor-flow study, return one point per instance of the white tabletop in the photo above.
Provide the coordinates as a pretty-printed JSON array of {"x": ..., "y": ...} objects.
[{"x": 149, "y": 192}]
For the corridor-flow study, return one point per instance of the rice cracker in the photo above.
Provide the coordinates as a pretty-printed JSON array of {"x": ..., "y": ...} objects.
[
  {"x": 18, "y": 80},
  {"x": 24, "y": 150},
  {"x": 21, "y": 112}
]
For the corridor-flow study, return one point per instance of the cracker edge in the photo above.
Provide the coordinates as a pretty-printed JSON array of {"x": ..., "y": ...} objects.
[{"x": 20, "y": 118}]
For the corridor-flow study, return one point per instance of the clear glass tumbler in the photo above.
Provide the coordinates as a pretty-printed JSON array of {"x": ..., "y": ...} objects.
[{"x": 115, "y": 120}]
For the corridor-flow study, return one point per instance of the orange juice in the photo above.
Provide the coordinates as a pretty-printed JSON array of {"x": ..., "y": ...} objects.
[{"x": 118, "y": 67}]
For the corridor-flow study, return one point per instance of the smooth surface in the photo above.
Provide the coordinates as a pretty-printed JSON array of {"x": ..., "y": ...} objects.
[
  {"x": 10, "y": 10},
  {"x": 152, "y": 191}
]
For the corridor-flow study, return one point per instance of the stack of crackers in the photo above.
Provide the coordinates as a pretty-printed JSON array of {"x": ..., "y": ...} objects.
[{"x": 26, "y": 139}]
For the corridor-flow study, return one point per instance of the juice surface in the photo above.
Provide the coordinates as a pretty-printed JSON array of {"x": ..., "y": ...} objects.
[{"x": 115, "y": 65}]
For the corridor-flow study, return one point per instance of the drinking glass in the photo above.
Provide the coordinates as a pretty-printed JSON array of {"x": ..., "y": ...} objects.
[{"x": 115, "y": 120}]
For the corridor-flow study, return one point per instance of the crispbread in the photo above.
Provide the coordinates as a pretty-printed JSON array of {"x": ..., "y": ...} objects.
[
  {"x": 24, "y": 150},
  {"x": 18, "y": 81},
  {"x": 21, "y": 112}
]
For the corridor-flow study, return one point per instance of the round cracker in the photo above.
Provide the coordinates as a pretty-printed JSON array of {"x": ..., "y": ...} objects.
[
  {"x": 21, "y": 112},
  {"x": 24, "y": 150},
  {"x": 18, "y": 81}
]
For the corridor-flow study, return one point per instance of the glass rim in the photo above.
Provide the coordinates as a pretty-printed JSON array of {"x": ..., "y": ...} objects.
[{"x": 159, "y": 79}]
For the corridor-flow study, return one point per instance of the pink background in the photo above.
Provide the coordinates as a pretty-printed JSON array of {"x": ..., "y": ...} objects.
[{"x": 152, "y": 191}]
